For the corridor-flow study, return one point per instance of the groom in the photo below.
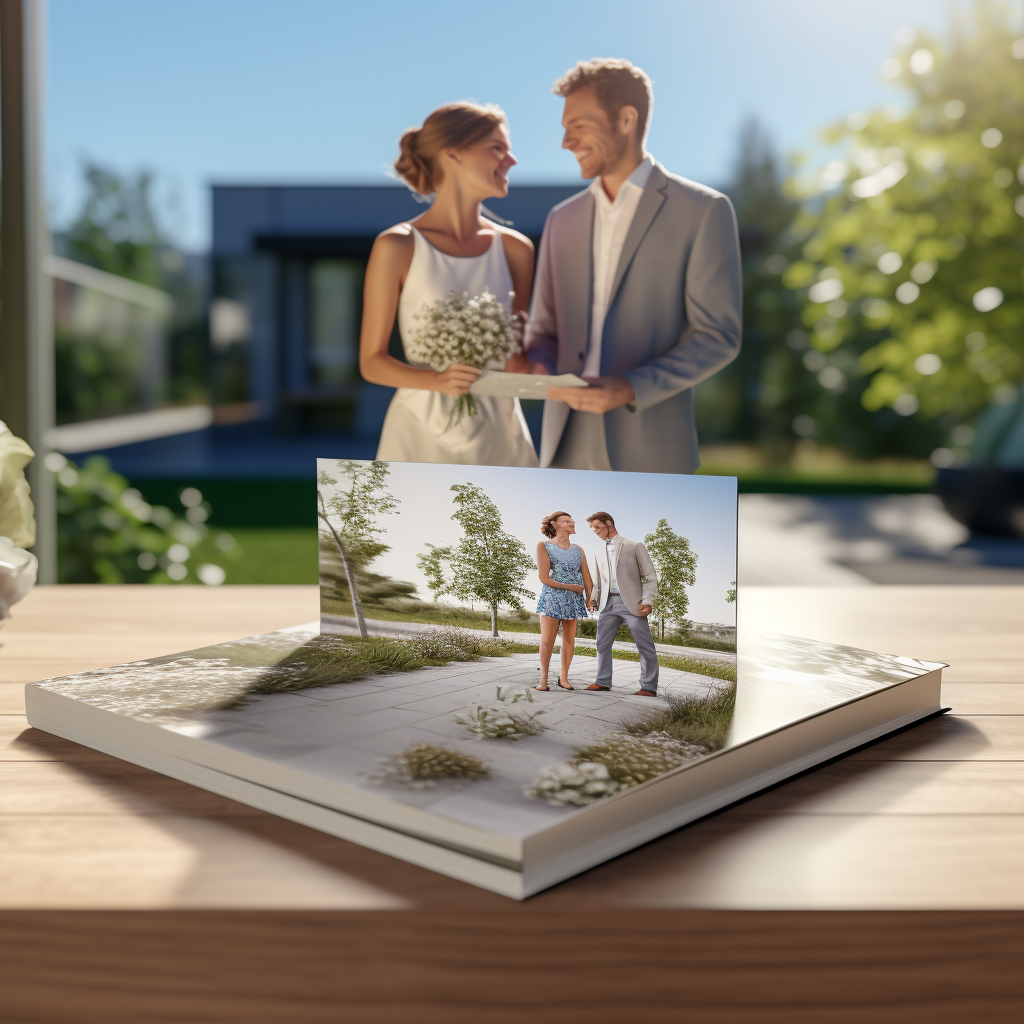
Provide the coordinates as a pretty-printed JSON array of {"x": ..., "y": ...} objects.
[
  {"x": 637, "y": 289},
  {"x": 625, "y": 587}
]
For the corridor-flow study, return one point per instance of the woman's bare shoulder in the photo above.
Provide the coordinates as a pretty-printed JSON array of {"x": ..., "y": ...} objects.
[
  {"x": 397, "y": 238},
  {"x": 514, "y": 242}
]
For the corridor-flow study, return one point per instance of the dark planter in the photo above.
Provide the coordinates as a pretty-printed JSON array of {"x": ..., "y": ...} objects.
[{"x": 986, "y": 499}]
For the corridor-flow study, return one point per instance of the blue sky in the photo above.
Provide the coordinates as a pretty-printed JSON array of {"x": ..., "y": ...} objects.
[
  {"x": 700, "y": 508},
  {"x": 204, "y": 91}
]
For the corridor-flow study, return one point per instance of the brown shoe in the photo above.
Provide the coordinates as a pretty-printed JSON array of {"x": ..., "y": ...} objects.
[
  {"x": 645, "y": 693},
  {"x": 596, "y": 686}
]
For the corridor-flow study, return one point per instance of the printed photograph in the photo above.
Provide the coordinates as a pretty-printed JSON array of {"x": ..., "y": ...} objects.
[{"x": 500, "y": 646}]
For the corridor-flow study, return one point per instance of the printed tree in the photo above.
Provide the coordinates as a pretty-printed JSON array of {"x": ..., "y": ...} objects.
[
  {"x": 351, "y": 513},
  {"x": 487, "y": 565},
  {"x": 676, "y": 566}
]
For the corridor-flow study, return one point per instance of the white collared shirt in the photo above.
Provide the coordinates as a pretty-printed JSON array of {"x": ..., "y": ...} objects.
[
  {"x": 611, "y": 224},
  {"x": 611, "y": 554}
]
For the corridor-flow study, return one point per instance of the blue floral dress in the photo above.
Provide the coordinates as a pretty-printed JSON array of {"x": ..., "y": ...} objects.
[{"x": 566, "y": 567}]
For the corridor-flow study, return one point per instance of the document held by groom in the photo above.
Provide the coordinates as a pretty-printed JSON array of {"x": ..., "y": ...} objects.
[{"x": 638, "y": 288}]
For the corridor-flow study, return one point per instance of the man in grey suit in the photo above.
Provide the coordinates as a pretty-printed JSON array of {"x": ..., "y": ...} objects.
[
  {"x": 637, "y": 290},
  {"x": 625, "y": 586}
]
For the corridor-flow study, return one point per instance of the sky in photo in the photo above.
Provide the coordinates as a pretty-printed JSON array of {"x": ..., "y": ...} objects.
[
  {"x": 228, "y": 91},
  {"x": 700, "y": 508}
]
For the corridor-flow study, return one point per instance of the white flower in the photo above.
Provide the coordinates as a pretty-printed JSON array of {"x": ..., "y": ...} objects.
[
  {"x": 17, "y": 515},
  {"x": 17, "y": 574}
]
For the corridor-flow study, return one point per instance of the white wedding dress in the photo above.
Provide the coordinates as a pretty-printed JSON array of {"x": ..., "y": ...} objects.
[{"x": 416, "y": 425}]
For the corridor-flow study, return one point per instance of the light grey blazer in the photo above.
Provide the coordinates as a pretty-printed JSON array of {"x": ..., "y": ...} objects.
[
  {"x": 674, "y": 319},
  {"x": 634, "y": 573}
]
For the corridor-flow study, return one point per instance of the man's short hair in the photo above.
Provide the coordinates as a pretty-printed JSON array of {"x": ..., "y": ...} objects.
[
  {"x": 617, "y": 83},
  {"x": 603, "y": 516}
]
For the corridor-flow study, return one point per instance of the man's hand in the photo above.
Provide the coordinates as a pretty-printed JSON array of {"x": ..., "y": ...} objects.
[
  {"x": 644, "y": 610},
  {"x": 603, "y": 395}
]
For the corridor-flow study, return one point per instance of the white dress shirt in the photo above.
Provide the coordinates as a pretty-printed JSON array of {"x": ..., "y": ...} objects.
[
  {"x": 611, "y": 555},
  {"x": 611, "y": 224}
]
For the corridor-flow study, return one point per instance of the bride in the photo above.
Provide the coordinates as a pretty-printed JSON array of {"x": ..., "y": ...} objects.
[{"x": 461, "y": 155}]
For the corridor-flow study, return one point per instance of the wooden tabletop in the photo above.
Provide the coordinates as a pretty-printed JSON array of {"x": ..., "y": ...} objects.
[{"x": 104, "y": 864}]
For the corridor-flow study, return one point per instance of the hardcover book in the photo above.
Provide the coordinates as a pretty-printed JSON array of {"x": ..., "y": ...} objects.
[{"x": 517, "y": 674}]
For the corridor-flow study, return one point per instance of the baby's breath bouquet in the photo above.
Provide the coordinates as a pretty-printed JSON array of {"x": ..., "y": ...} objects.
[{"x": 473, "y": 330}]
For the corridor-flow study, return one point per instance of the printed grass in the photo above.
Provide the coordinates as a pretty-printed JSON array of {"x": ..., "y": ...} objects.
[
  {"x": 701, "y": 720},
  {"x": 705, "y": 667},
  {"x": 415, "y": 611},
  {"x": 328, "y": 659}
]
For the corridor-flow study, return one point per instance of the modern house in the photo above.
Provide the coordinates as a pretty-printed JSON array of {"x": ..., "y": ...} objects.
[{"x": 287, "y": 273}]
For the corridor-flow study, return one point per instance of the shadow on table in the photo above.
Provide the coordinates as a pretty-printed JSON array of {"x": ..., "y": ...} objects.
[{"x": 243, "y": 858}]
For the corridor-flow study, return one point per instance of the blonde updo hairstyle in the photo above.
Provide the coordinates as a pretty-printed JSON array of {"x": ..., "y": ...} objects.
[
  {"x": 453, "y": 126},
  {"x": 547, "y": 524}
]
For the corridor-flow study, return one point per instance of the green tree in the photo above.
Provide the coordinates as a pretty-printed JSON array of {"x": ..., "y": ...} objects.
[
  {"x": 911, "y": 275},
  {"x": 351, "y": 512},
  {"x": 116, "y": 230},
  {"x": 755, "y": 398},
  {"x": 486, "y": 565},
  {"x": 730, "y": 594},
  {"x": 676, "y": 565}
]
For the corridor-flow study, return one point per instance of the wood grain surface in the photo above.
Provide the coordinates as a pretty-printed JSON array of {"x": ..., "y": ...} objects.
[{"x": 888, "y": 884}]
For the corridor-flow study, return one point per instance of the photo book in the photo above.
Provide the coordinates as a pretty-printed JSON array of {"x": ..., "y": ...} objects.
[{"x": 517, "y": 675}]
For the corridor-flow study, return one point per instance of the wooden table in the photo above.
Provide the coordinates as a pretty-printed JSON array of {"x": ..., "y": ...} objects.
[{"x": 887, "y": 884}]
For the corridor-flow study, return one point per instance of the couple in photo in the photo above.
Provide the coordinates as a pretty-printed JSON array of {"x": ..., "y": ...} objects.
[
  {"x": 622, "y": 590},
  {"x": 637, "y": 289}
]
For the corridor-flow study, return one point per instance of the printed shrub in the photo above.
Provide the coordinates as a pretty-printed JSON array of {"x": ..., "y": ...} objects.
[
  {"x": 421, "y": 765},
  {"x": 566, "y": 785},
  {"x": 493, "y": 723}
]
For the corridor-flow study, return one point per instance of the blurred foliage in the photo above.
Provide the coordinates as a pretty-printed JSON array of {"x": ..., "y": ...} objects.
[
  {"x": 883, "y": 297},
  {"x": 118, "y": 230},
  {"x": 755, "y": 398},
  {"x": 108, "y": 533},
  {"x": 911, "y": 272}
]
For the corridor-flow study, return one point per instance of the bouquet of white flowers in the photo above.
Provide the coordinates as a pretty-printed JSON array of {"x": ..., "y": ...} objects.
[{"x": 473, "y": 330}]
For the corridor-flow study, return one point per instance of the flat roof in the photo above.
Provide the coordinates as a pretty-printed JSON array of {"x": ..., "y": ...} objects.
[{"x": 251, "y": 217}]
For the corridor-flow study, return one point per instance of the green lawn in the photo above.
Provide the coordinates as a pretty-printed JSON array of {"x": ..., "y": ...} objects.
[
  {"x": 816, "y": 472},
  {"x": 273, "y": 555}
]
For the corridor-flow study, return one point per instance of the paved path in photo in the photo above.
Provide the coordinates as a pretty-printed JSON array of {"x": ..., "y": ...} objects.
[
  {"x": 346, "y": 626},
  {"x": 342, "y": 731}
]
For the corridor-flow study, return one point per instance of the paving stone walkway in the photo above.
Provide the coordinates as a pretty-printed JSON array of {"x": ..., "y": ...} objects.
[{"x": 341, "y": 732}]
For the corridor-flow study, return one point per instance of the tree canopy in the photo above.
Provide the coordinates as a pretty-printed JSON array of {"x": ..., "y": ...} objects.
[
  {"x": 487, "y": 564},
  {"x": 911, "y": 272},
  {"x": 676, "y": 565}
]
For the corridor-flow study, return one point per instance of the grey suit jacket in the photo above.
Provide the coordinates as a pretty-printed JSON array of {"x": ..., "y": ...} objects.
[
  {"x": 634, "y": 573},
  {"x": 674, "y": 319}
]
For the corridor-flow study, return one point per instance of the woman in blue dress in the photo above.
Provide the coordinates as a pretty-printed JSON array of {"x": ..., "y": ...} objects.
[{"x": 564, "y": 595}]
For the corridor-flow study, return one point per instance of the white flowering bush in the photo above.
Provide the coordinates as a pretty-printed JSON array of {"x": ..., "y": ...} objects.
[
  {"x": 473, "y": 330},
  {"x": 491, "y": 723},
  {"x": 573, "y": 784},
  {"x": 615, "y": 763}
]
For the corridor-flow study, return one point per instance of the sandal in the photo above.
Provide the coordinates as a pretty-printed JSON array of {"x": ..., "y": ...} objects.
[{"x": 565, "y": 686}]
